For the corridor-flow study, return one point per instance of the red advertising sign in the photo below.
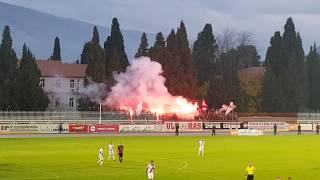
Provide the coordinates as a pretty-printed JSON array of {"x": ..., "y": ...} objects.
[
  {"x": 184, "y": 126},
  {"x": 103, "y": 128},
  {"x": 78, "y": 128}
]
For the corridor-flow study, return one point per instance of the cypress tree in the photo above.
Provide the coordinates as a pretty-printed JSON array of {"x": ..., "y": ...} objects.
[
  {"x": 93, "y": 55},
  {"x": 175, "y": 58},
  {"x": 285, "y": 59},
  {"x": 143, "y": 47},
  {"x": 161, "y": 54},
  {"x": 8, "y": 70},
  {"x": 115, "y": 55},
  {"x": 31, "y": 95},
  {"x": 313, "y": 63},
  {"x": 171, "y": 40},
  {"x": 185, "y": 74},
  {"x": 160, "y": 42},
  {"x": 56, "y": 55},
  {"x": 205, "y": 51}
]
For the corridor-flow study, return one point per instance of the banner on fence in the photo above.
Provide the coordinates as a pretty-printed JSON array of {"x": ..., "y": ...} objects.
[
  {"x": 78, "y": 128},
  {"x": 34, "y": 128},
  {"x": 21, "y": 128},
  {"x": 306, "y": 127},
  {"x": 225, "y": 125},
  {"x": 183, "y": 126},
  {"x": 246, "y": 132},
  {"x": 53, "y": 128},
  {"x": 137, "y": 128},
  {"x": 104, "y": 128},
  {"x": 268, "y": 126}
]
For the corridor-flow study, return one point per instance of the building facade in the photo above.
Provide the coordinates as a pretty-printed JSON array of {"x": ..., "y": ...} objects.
[{"x": 62, "y": 82}]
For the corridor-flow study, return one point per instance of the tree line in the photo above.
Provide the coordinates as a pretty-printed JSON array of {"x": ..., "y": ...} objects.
[{"x": 207, "y": 71}]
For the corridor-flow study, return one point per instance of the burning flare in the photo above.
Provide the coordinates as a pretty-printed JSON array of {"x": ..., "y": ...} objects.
[{"x": 141, "y": 88}]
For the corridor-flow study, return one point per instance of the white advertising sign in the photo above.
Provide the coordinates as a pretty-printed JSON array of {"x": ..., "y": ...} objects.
[
  {"x": 248, "y": 132},
  {"x": 137, "y": 128},
  {"x": 268, "y": 126},
  {"x": 36, "y": 128}
]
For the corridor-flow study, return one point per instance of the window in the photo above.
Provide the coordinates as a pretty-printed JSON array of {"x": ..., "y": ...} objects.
[
  {"x": 71, "y": 102},
  {"x": 57, "y": 103},
  {"x": 42, "y": 83},
  {"x": 58, "y": 83},
  {"x": 72, "y": 84}
]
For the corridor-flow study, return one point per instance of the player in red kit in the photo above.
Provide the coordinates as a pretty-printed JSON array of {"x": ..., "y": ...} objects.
[{"x": 120, "y": 152}]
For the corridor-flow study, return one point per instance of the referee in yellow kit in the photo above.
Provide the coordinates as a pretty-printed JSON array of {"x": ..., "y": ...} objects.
[{"x": 250, "y": 170}]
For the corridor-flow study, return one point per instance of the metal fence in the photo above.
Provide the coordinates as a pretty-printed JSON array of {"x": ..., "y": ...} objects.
[
  {"x": 45, "y": 117},
  {"x": 308, "y": 117}
]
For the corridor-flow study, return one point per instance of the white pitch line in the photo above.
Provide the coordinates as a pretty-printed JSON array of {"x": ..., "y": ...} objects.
[
  {"x": 185, "y": 164},
  {"x": 43, "y": 178}
]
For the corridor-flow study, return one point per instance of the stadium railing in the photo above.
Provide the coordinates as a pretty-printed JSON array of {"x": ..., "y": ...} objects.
[{"x": 50, "y": 117}]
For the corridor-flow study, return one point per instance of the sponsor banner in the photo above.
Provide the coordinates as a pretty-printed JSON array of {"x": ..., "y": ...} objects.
[
  {"x": 268, "y": 126},
  {"x": 293, "y": 127},
  {"x": 21, "y": 128},
  {"x": 225, "y": 125},
  {"x": 183, "y": 126},
  {"x": 53, "y": 128},
  {"x": 246, "y": 132},
  {"x": 306, "y": 127},
  {"x": 78, "y": 128},
  {"x": 137, "y": 128},
  {"x": 34, "y": 128},
  {"x": 160, "y": 128},
  {"x": 103, "y": 128}
]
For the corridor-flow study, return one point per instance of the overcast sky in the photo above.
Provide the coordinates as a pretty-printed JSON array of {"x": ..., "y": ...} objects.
[{"x": 261, "y": 17}]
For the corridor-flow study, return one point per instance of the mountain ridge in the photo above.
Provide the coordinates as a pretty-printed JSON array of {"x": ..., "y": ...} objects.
[{"x": 38, "y": 29}]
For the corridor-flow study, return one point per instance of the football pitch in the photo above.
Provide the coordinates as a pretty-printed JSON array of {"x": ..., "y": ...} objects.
[{"x": 176, "y": 158}]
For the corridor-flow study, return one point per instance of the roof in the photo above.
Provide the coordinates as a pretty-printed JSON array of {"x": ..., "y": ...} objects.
[{"x": 57, "y": 68}]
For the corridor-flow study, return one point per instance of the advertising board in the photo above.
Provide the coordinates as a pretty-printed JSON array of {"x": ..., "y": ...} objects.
[
  {"x": 225, "y": 125},
  {"x": 137, "y": 128},
  {"x": 104, "y": 128},
  {"x": 268, "y": 126}
]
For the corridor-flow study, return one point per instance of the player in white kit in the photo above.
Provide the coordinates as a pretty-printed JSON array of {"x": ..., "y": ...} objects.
[
  {"x": 201, "y": 147},
  {"x": 111, "y": 152},
  {"x": 101, "y": 157},
  {"x": 150, "y": 170}
]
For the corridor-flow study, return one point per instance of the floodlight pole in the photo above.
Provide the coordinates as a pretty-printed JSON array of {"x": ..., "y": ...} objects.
[{"x": 100, "y": 114}]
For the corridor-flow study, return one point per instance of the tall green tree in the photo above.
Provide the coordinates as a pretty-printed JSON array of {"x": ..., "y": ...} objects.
[
  {"x": 56, "y": 55},
  {"x": 31, "y": 96},
  {"x": 286, "y": 62},
  {"x": 8, "y": 70},
  {"x": 143, "y": 47},
  {"x": 160, "y": 42},
  {"x": 176, "y": 60},
  {"x": 185, "y": 74},
  {"x": 115, "y": 55},
  {"x": 93, "y": 55},
  {"x": 205, "y": 55},
  {"x": 160, "y": 53},
  {"x": 171, "y": 41},
  {"x": 313, "y": 63}
]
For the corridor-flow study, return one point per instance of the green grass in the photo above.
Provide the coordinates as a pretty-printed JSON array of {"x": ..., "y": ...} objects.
[{"x": 176, "y": 158}]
